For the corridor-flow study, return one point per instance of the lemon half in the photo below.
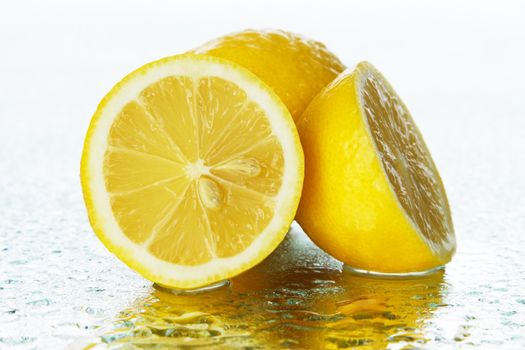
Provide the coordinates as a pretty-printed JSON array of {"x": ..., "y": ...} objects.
[
  {"x": 372, "y": 196},
  {"x": 191, "y": 171}
]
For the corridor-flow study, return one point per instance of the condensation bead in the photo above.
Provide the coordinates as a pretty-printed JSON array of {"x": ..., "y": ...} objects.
[
  {"x": 210, "y": 193},
  {"x": 247, "y": 167}
]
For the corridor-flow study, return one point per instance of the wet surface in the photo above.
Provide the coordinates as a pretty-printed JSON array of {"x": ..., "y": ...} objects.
[
  {"x": 299, "y": 298},
  {"x": 60, "y": 288}
]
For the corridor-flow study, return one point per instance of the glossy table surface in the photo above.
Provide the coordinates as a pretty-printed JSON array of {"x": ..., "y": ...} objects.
[{"x": 60, "y": 288}]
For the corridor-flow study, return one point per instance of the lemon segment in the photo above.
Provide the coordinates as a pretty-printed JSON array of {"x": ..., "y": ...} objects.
[
  {"x": 372, "y": 196},
  {"x": 191, "y": 171}
]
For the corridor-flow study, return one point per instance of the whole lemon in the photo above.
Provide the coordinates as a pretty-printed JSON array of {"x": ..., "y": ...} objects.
[{"x": 295, "y": 67}]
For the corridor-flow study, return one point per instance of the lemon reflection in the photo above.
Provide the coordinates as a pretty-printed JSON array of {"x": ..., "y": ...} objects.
[{"x": 297, "y": 298}]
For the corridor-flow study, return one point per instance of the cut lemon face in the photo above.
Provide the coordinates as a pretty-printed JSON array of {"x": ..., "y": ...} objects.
[
  {"x": 373, "y": 197},
  {"x": 191, "y": 171}
]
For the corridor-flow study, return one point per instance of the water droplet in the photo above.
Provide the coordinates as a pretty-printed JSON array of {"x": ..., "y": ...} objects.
[
  {"x": 13, "y": 341},
  {"x": 244, "y": 166},
  {"x": 40, "y": 302},
  {"x": 18, "y": 262},
  {"x": 289, "y": 343},
  {"x": 210, "y": 193},
  {"x": 406, "y": 337}
]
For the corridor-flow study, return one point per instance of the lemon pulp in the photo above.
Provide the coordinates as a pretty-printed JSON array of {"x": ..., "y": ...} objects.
[
  {"x": 210, "y": 193},
  {"x": 406, "y": 160},
  {"x": 191, "y": 171}
]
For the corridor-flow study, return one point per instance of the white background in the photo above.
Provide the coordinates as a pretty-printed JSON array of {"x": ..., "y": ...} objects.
[
  {"x": 459, "y": 66},
  {"x": 449, "y": 60},
  {"x": 444, "y": 57}
]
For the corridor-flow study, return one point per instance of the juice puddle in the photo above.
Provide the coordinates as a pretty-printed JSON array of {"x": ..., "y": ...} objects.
[{"x": 297, "y": 298}]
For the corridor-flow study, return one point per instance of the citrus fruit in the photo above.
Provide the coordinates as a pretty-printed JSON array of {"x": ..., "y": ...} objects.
[
  {"x": 295, "y": 67},
  {"x": 191, "y": 171},
  {"x": 372, "y": 196}
]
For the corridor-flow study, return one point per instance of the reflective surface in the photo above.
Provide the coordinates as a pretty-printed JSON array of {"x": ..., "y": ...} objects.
[
  {"x": 60, "y": 288},
  {"x": 298, "y": 298}
]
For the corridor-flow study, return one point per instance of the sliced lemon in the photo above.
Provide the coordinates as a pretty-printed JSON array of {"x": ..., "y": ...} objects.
[
  {"x": 372, "y": 197},
  {"x": 191, "y": 171}
]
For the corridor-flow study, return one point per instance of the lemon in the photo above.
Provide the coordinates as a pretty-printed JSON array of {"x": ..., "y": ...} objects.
[
  {"x": 372, "y": 196},
  {"x": 191, "y": 171},
  {"x": 295, "y": 67}
]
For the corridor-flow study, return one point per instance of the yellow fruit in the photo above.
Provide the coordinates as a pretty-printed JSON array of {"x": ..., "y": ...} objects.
[
  {"x": 191, "y": 171},
  {"x": 372, "y": 195},
  {"x": 296, "y": 68}
]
